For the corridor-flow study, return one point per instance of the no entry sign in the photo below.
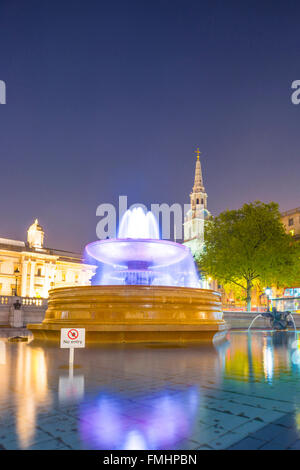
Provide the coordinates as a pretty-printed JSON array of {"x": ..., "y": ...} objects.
[
  {"x": 72, "y": 338},
  {"x": 73, "y": 334}
]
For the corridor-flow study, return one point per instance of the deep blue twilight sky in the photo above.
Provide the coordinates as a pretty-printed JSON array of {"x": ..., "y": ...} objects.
[{"x": 106, "y": 98}]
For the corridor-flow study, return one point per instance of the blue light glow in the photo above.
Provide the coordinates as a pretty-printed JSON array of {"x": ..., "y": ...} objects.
[{"x": 139, "y": 257}]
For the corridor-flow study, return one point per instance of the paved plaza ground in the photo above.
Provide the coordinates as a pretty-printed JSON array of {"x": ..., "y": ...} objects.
[{"x": 241, "y": 394}]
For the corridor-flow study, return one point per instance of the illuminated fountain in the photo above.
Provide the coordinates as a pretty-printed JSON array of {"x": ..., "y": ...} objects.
[
  {"x": 145, "y": 290},
  {"x": 139, "y": 257}
]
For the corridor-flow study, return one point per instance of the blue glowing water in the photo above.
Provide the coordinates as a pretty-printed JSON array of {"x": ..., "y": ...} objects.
[{"x": 138, "y": 257}]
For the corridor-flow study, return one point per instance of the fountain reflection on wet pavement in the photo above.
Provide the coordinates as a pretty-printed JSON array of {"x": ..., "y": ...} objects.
[{"x": 242, "y": 392}]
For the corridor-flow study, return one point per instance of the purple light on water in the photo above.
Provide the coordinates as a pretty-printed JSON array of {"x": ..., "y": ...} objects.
[
  {"x": 156, "y": 421},
  {"x": 139, "y": 257}
]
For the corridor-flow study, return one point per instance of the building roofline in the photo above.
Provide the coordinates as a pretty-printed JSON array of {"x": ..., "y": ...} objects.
[{"x": 290, "y": 211}]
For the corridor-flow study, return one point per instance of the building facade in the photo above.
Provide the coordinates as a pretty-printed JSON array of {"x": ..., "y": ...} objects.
[
  {"x": 291, "y": 221},
  {"x": 195, "y": 217},
  {"x": 28, "y": 269}
]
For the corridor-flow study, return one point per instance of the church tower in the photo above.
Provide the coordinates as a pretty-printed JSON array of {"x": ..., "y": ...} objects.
[{"x": 196, "y": 215}]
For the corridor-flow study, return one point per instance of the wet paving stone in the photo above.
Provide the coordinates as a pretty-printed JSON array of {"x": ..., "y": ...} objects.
[{"x": 242, "y": 396}]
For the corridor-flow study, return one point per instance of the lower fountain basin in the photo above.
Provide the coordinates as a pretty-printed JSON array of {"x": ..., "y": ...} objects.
[{"x": 133, "y": 314}]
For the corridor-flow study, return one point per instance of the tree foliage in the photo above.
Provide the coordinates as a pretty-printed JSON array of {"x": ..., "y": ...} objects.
[{"x": 249, "y": 246}]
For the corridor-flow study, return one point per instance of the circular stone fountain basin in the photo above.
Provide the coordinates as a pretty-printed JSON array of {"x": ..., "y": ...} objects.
[{"x": 133, "y": 314}]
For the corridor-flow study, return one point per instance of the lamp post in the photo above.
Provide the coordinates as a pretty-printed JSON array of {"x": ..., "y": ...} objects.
[
  {"x": 268, "y": 292},
  {"x": 17, "y": 272}
]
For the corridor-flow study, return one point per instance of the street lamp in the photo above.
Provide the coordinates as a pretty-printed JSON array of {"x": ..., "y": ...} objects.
[
  {"x": 268, "y": 292},
  {"x": 17, "y": 272}
]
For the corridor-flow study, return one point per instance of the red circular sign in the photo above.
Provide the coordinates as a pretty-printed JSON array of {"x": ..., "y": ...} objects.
[{"x": 73, "y": 334}]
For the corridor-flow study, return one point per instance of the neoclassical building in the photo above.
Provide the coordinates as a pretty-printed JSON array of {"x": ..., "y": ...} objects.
[
  {"x": 32, "y": 269},
  {"x": 195, "y": 217}
]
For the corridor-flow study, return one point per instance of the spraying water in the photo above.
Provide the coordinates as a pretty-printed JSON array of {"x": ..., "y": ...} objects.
[
  {"x": 136, "y": 224},
  {"x": 139, "y": 257},
  {"x": 259, "y": 315}
]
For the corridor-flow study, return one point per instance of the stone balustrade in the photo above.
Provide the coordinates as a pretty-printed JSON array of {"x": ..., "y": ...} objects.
[{"x": 32, "y": 310}]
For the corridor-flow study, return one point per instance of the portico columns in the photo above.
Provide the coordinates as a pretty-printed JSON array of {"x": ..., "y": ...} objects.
[
  {"x": 52, "y": 274},
  {"x": 32, "y": 272},
  {"x": 46, "y": 280},
  {"x": 24, "y": 278}
]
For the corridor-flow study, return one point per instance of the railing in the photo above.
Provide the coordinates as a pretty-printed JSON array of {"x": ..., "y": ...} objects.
[
  {"x": 25, "y": 301},
  {"x": 33, "y": 301}
]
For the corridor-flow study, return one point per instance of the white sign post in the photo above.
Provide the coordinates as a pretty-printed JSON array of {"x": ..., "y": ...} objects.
[
  {"x": 70, "y": 387},
  {"x": 72, "y": 338}
]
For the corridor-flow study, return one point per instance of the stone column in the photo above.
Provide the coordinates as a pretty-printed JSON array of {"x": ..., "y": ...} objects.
[
  {"x": 52, "y": 274},
  {"x": 24, "y": 278},
  {"x": 46, "y": 281},
  {"x": 82, "y": 277},
  {"x": 31, "y": 285}
]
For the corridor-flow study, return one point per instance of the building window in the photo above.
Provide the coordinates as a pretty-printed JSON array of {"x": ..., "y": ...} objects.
[
  {"x": 197, "y": 201},
  {"x": 202, "y": 202},
  {"x": 291, "y": 222},
  {"x": 39, "y": 272},
  {"x": 63, "y": 277}
]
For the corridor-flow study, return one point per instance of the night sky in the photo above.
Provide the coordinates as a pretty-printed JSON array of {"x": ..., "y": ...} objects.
[{"x": 109, "y": 98}]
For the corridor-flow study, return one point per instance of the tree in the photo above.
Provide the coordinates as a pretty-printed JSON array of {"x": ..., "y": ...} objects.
[{"x": 249, "y": 246}]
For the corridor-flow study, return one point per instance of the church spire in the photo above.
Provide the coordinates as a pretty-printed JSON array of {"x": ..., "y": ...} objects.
[
  {"x": 196, "y": 215},
  {"x": 198, "y": 182}
]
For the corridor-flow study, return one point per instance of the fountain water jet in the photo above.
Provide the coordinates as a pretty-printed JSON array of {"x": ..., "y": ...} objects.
[
  {"x": 147, "y": 290},
  {"x": 138, "y": 257},
  {"x": 257, "y": 316},
  {"x": 278, "y": 320}
]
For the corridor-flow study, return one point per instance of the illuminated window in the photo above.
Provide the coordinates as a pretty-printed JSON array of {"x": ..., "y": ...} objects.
[{"x": 292, "y": 232}]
